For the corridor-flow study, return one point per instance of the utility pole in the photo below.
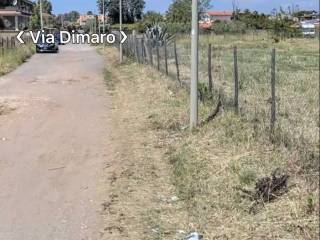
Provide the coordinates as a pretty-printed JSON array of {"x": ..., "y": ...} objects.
[
  {"x": 194, "y": 66},
  {"x": 120, "y": 18},
  {"x": 95, "y": 22},
  {"x": 104, "y": 15},
  {"x": 41, "y": 17},
  {"x": 62, "y": 21}
]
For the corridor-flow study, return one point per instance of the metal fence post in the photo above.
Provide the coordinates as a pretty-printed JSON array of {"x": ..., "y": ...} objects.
[
  {"x": 210, "y": 69},
  {"x": 176, "y": 60},
  {"x": 273, "y": 89},
  {"x": 236, "y": 80}
]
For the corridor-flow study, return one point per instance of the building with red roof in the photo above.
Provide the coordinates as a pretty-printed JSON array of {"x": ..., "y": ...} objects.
[{"x": 207, "y": 19}]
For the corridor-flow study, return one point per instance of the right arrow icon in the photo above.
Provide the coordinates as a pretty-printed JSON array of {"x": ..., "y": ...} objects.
[{"x": 124, "y": 37}]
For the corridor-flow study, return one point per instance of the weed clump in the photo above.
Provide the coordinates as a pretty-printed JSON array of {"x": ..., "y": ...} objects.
[{"x": 267, "y": 189}]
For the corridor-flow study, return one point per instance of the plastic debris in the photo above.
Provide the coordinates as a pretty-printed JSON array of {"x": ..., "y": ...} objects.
[
  {"x": 174, "y": 199},
  {"x": 194, "y": 236}
]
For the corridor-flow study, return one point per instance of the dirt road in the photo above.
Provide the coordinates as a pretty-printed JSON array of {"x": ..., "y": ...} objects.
[{"x": 53, "y": 146}]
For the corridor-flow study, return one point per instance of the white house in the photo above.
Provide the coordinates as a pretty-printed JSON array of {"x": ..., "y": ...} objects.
[{"x": 15, "y": 15}]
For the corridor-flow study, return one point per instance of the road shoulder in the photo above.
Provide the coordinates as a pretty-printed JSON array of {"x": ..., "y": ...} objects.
[{"x": 142, "y": 203}]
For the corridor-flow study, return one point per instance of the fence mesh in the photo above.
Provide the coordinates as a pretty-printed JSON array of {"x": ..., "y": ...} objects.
[{"x": 296, "y": 78}]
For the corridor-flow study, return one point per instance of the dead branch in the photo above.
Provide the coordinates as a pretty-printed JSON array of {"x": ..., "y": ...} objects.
[{"x": 213, "y": 114}]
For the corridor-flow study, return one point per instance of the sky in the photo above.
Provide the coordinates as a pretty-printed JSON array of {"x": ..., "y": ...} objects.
[{"x": 82, "y": 6}]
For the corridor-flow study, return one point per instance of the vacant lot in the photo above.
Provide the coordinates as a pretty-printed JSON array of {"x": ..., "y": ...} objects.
[
  {"x": 216, "y": 168},
  {"x": 297, "y": 75}
]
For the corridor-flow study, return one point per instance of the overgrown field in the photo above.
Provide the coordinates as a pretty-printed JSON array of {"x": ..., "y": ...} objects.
[
  {"x": 216, "y": 168},
  {"x": 297, "y": 86},
  {"x": 238, "y": 150},
  {"x": 12, "y": 58}
]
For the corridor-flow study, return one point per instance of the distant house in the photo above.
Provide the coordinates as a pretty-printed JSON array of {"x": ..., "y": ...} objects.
[
  {"x": 310, "y": 18},
  {"x": 207, "y": 19},
  {"x": 83, "y": 19},
  {"x": 217, "y": 16},
  {"x": 15, "y": 15},
  {"x": 309, "y": 15}
]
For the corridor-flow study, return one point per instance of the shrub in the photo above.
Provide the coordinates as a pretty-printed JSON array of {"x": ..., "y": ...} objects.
[
  {"x": 139, "y": 27},
  {"x": 158, "y": 33},
  {"x": 229, "y": 27},
  {"x": 174, "y": 28}
]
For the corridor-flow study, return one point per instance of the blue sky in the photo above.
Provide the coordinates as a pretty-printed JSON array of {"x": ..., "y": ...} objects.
[{"x": 83, "y": 6}]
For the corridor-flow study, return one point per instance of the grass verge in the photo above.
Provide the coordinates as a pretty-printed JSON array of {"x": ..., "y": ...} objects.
[
  {"x": 172, "y": 181},
  {"x": 12, "y": 58}
]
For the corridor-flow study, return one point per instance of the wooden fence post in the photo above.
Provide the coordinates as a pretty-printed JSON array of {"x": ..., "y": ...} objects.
[
  {"x": 131, "y": 47},
  {"x": 158, "y": 57},
  {"x": 236, "y": 80},
  {"x": 146, "y": 47},
  {"x": 273, "y": 89},
  {"x": 136, "y": 49},
  {"x": 166, "y": 56},
  {"x": 143, "y": 51},
  {"x": 126, "y": 47},
  {"x": 176, "y": 60},
  {"x": 2, "y": 46},
  {"x": 210, "y": 69},
  {"x": 150, "y": 52}
]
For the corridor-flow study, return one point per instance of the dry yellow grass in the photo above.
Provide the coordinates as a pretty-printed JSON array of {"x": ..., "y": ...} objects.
[
  {"x": 12, "y": 58},
  {"x": 157, "y": 151},
  {"x": 140, "y": 205}
]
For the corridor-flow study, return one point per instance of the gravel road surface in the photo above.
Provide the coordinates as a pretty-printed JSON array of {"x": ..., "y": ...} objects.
[{"x": 53, "y": 147}]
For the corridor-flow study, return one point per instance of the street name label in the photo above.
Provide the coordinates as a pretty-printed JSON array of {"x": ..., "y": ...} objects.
[{"x": 73, "y": 37}]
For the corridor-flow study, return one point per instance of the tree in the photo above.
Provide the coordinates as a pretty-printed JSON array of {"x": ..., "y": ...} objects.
[
  {"x": 5, "y": 3},
  {"x": 180, "y": 10},
  {"x": 132, "y": 10},
  {"x": 35, "y": 18},
  {"x": 46, "y": 6},
  {"x": 152, "y": 17},
  {"x": 136, "y": 9},
  {"x": 100, "y": 5},
  {"x": 72, "y": 16},
  {"x": 89, "y": 13}
]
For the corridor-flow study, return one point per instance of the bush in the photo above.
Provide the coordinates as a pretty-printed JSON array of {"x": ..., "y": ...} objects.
[
  {"x": 229, "y": 27},
  {"x": 174, "y": 28},
  {"x": 139, "y": 27},
  {"x": 158, "y": 34}
]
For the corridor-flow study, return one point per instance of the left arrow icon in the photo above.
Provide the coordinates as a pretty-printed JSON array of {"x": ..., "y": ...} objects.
[{"x": 19, "y": 37}]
